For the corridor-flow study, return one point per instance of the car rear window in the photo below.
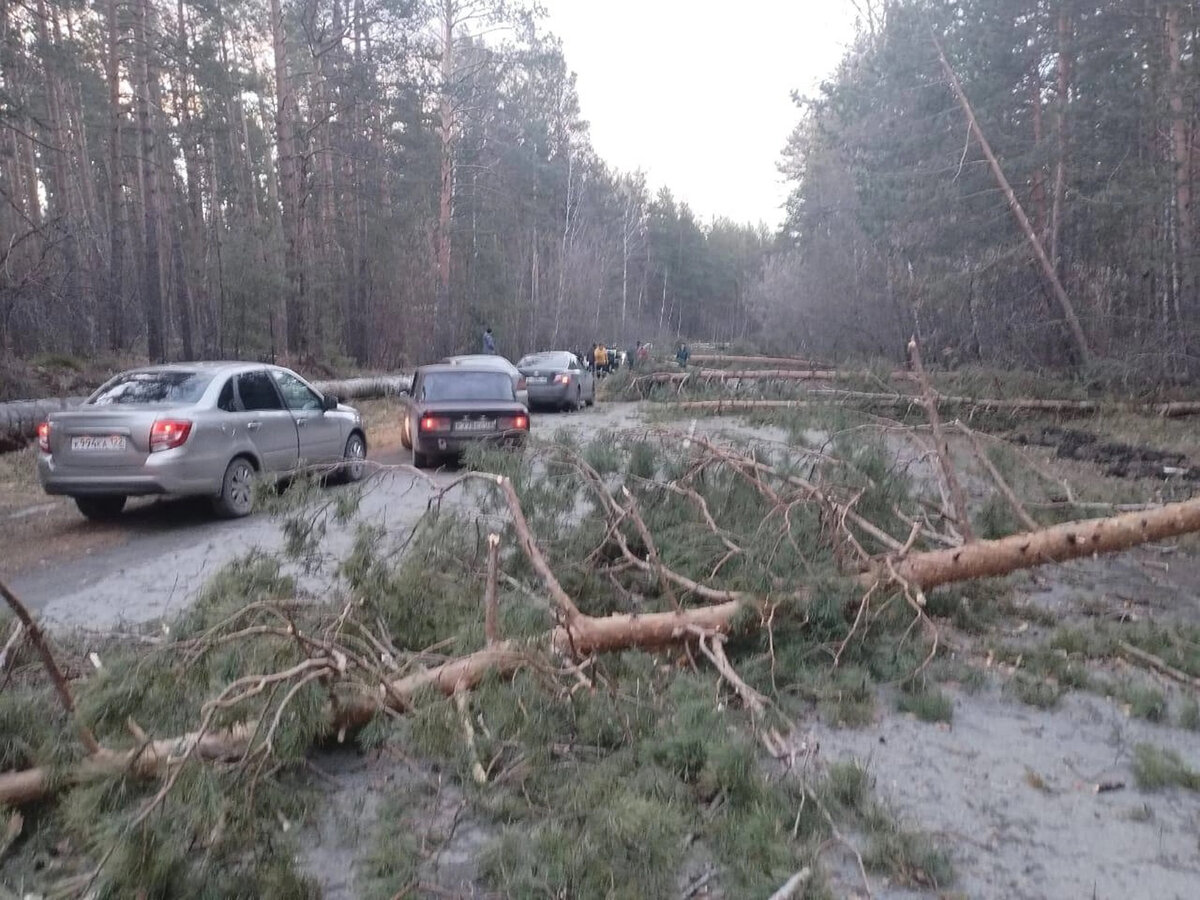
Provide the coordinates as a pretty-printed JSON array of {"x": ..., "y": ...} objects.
[
  {"x": 132, "y": 388},
  {"x": 467, "y": 386},
  {"x": 561, "y": 360}
]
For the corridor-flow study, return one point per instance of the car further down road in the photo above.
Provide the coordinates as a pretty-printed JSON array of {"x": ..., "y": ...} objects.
[
  {"x": 556, "y": 378},
  {"x": 452, "y": 407}
]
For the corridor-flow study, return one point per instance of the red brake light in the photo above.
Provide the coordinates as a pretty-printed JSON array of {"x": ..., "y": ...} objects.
[
  {"x": 517, "y": 423},
  {"x": 521, "y": 383},
  {"x": 167, "y": 434},
  {"x": 564, "y": 378},
  {"x": 435, "y": 423},
  {"x": 43, "y": 436}
]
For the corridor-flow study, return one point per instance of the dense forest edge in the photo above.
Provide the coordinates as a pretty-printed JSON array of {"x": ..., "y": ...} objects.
[{"x": 368, "y": 185}]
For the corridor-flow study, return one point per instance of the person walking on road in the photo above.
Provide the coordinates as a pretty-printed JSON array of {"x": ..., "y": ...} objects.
[{"x": 489, "y": 342}]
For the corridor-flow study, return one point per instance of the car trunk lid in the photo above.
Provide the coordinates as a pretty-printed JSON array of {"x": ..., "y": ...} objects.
[{"x": 105, "y": 438}]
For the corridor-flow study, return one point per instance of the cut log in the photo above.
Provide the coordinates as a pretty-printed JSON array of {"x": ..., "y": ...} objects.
[{"x": 19, "y": 418}]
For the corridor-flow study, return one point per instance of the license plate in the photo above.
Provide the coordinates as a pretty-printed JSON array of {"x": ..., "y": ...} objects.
[
  {"x": 88, "y": 442},
  {"x": 475, "y": 425},
  {"x": 537, "y": 379}
]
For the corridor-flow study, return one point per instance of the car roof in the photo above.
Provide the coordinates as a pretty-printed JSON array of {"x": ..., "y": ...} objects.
[
  {"x": 489, "y": 360},
  {"x": 212, "y": 366},
  {"x": 456, "y": 370}
]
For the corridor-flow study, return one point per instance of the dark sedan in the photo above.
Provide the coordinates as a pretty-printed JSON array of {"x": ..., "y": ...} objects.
[
  {"x": 557, "y": 378},
  {"x": 451, "y": 407}
]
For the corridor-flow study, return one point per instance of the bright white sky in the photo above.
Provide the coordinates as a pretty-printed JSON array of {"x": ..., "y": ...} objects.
[{"x": 698, "y": 94}]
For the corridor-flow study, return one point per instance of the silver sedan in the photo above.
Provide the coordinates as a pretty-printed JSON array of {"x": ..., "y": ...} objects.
[
  {"x": 195, "y": 429},
  {"x": 557, "y": 378}
]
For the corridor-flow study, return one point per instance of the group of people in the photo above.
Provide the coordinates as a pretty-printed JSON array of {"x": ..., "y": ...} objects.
[{"x": 602, "y": 360}]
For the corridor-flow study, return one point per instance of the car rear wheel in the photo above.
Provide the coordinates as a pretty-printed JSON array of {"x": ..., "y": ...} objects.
[
  {"x": 405, "y": 436},
  {"x": 355, "y": 453},
  {"x": 101, "y": 509},
  {"x": 591, "y": 400},
  {"x": 237, "y": 490},
  {"x": 422, "y": 460}
]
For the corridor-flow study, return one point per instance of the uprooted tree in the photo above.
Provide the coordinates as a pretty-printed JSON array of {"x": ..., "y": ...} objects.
[{"x": 775, "y": 568}]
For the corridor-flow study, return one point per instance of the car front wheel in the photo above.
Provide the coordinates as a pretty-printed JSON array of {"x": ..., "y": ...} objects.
[
  {"x": 101, "y": 509},
  {"x": 237, "y": 490}
]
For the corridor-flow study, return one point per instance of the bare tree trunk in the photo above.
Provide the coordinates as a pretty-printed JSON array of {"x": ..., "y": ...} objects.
[
  {"x": 1180, "y": 162},
  {"x": 152, "y": 302},
  {"x": 1082, "y": 349},
  {"x": 1060, "y": 162},
  {"x": 446, "y": 124},
  {"x": 293, "y": 320},
  {"x": 116, "y": 184}
]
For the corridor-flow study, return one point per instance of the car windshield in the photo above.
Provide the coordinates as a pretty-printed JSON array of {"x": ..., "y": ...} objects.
[
  {"x": 468, "y": 386},
  {"x": 152, "y": 387},
  {"x": 549, "y": 360}
]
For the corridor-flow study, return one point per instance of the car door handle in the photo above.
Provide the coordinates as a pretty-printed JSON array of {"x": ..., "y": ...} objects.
[{"x": 253, "y": 426}]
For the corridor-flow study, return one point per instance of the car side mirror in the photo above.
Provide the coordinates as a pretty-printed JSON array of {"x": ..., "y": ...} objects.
[{"x": 329, "y": 402}]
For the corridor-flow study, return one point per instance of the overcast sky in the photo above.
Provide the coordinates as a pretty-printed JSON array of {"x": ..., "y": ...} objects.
[{"x": 698, "y": 95}]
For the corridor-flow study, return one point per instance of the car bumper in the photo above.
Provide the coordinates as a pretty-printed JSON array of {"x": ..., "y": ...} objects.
[
  {"x": 455, "y": 444},
  {"x": 148, "y": 479},
  {"x": 550, "y": 393}
]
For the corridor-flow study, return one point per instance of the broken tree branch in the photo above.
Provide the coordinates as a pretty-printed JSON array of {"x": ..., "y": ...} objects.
[
  {"x": 491, "y": 612},
  {"x": 1006, "y": 492},
  {"x": 38, "y": 639},
  {"x": 958, "y": 499},
  {"x": 1159, "y": 665}
]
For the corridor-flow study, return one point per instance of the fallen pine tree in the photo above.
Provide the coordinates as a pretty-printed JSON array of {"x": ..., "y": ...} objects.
[
  {"x": 579, "y": 636},
  {"x": 697, "y": 552},
  {"x": 824, "y": 397}
]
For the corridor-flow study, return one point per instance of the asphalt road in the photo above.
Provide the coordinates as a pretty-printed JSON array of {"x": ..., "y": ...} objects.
[{"x": 155, "y": 560}]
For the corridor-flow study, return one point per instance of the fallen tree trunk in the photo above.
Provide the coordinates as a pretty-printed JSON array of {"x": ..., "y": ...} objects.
[
  {"x": 766, "y": 375},
  {"x": 827, "y": 396},
  {"x": 779, "y": 362},
  {"x": 893, "y": 401},
  {"x": 1058, "y": 543},
  {"x": 19, "y": 418},
  {"x": 587, "y": 635}
]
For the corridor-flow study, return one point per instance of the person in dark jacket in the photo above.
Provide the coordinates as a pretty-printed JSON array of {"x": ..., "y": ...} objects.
[{"x": 489, "y": 342}]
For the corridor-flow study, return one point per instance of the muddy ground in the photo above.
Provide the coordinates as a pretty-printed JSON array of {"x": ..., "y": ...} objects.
[{"x": 1009, "y": 789}]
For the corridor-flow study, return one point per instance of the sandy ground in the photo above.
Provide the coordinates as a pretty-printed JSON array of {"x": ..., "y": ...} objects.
[{"x": 1008, "y": 789}]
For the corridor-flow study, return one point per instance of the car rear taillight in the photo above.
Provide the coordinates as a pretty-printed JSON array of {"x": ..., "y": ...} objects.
[
  {"x": 515, "y": 423},
  {"x": 563, "y": 378},
  {"x": 43, "y": 436},
  {"x": 521, "y": 383},
  {"x": 167, "y": 434},
  {"x": 435, "y": 423}
]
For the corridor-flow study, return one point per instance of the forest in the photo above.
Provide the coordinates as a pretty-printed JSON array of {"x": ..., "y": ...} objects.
[
  {"x": 364, "y": 181},
  {"x": 356, "y": 181},
  {"x": 898, "y": 223}
]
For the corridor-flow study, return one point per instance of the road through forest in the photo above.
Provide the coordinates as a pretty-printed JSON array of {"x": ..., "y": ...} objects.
[{"x": 153, "y": 562}]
